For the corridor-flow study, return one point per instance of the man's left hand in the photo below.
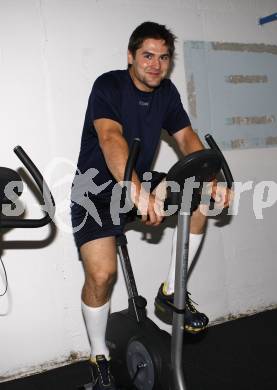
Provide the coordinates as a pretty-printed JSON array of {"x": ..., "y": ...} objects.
[{"x": 221, "y": 194}]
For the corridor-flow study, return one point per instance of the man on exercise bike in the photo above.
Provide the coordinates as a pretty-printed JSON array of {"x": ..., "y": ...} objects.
[{"x": 137, "y": 102}]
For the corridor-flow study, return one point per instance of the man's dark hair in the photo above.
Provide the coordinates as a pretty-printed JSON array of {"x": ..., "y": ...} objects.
[{"x": 151, "y": 30}]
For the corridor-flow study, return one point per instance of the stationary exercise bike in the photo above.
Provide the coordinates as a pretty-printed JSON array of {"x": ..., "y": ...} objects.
[{"x": 140, "y": 351}]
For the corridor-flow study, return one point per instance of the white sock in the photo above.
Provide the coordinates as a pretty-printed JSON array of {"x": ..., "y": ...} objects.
[
  {"x": 96, "y": 323},
  {"x": 194, "y": 243}
]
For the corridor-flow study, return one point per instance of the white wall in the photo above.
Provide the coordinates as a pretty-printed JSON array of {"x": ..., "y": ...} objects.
[{"x": 50, "y": 54}]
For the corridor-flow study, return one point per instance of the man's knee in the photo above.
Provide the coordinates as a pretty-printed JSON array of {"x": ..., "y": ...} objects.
[
  {"x": 198, "y": 222},
  {"x": 100, "y": 278},
  {"x": 100, "y": 262}
]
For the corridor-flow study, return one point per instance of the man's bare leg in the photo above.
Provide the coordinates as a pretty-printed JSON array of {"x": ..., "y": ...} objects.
[{"x": 100, "y": 266}]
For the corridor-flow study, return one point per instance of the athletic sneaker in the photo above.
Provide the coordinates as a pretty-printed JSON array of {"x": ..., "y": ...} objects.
[
  {"x": 101, "y": 375},
  {"x": 194, "y": 321}
]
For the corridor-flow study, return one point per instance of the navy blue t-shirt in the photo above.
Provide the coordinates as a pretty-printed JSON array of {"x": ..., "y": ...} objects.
[{"x": 141, "y": 114}]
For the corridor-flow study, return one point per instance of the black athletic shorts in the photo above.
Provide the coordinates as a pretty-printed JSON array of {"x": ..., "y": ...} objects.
[{"x": 98, "y": 223}]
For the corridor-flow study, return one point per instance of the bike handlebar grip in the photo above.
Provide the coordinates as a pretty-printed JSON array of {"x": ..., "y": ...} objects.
[
  {"x": 132, "y": 158},
  {"x": 131, "y": 162},
  {"x": 49, "y": 206},
  {"x": 225, "y": 167}
]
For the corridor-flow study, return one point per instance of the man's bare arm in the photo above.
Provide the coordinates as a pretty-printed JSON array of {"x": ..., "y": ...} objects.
[
  {"x": 114, "y": 148},
  {"x": 188, "y": 141}
]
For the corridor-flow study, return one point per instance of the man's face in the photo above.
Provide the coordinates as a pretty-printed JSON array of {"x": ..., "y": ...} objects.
[{"x": 150, "y": 65}]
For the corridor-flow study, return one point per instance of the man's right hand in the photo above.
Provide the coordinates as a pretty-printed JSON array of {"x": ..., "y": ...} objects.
[{"x": 149, "y": 206}]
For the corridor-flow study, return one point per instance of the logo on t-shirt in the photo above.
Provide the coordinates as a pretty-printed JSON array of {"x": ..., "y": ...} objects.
[{"x": 142, "y": 103}]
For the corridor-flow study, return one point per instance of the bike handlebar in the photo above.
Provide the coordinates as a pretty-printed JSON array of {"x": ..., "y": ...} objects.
[
  {"x": 132, "y": 158},
  {"x": 225, "y": 167},
  {"x": 49, "y": 203}
]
